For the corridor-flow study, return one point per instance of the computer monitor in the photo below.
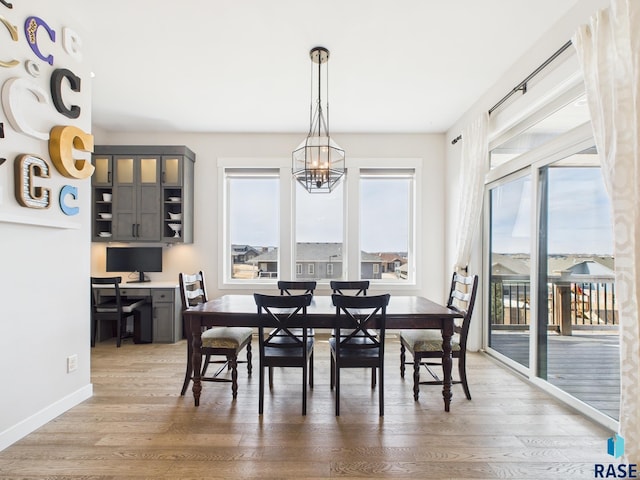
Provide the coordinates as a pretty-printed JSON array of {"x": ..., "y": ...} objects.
[{"x": 134, "y": 259}]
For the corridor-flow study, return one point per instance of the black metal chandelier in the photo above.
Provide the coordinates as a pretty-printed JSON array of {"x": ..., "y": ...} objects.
[{"x": 318, "y": 162}]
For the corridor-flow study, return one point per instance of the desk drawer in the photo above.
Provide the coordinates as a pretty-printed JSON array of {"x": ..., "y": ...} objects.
[
  {"x": 135, "y": 292},
  {"x": 162, "y": 295}
]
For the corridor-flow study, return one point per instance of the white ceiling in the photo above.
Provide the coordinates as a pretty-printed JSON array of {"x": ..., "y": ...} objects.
[{"x": 243, "y": 65}]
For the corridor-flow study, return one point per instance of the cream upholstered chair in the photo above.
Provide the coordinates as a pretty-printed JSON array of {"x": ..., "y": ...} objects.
[
  {"x": 216, "y": 341},
  {"x": 427, "y": 344}
]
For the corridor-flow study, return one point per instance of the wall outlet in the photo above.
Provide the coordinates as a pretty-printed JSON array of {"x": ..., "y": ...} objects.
[{"x": 72, "y": 363}]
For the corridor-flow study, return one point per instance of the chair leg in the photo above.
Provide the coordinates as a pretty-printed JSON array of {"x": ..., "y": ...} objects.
[
  {"x": 94, "y": 329},
  {"x": 337, "y": 378},
  {"x": 373, "y": 378},
  {"x": 270, "y": 378},
  {"x": 249, "y": 366},
  {"x": 402, "y": 359},
  {"x": 233, "y": 363},
  {"x": 416, "y": 376},
  {"x": 462, "y": 369},
  {"x": 261, "y": 391},
  {"x": 381, "y": 390},
  {"x": 304, "y": 387},
  {"x": 311, "y": 370},
  {"x": 207, "y": 361},
  {"x": 189, "y": 370},
  {"x": 333, "y": 372},
  {"x": 119, "y": 331}
]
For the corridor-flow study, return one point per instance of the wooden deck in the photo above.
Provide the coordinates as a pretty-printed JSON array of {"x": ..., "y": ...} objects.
[
  {"x": 138, "y": 426},
  {"x": 585, "y": 365}
]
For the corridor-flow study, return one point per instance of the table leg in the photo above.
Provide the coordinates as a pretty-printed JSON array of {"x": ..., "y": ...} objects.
[
  {"x": 447, "y": 332},
  {"x": 196, "y": 357}
]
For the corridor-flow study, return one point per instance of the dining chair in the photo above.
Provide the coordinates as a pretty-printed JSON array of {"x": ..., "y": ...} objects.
[
  {"x": 217, "y": 341},
  {"x": 353, "y": 287},
  {"x": 112, "y": 308},
  {"x": 341, "y": 287},
  {"x": 354, "y": 345},
  {"x": 290, "y": 287},
  {"x": 427, "y": 344},
  {"x": 282, "y": 347}
]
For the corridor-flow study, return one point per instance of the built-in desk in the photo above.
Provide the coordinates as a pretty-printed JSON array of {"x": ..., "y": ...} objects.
[{"x": 166, "y": 307}]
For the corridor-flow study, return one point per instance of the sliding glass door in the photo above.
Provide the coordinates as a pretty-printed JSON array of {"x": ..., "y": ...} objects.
[{"x": 510, "y": 260}]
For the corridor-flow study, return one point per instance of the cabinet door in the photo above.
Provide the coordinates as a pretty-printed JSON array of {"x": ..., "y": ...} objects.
[
  {"x": 148, "y": 205},
  {"x": 171, "y": 171},
  {"x": 124, "y": 198},
  {"x": 136, "y": 198},
  {"x": 102, "y": 177},
  {"x": 163, "y": 331}
]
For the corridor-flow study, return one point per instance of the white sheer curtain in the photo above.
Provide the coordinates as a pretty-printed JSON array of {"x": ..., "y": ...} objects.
[
  {"x": 609, "y": 50},
  {"x": 473, "y": 168}
]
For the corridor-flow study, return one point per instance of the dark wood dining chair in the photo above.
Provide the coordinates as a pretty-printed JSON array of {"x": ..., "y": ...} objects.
[
  {"x": 354, "y": 345},
  {"x": 112, "y": 308},
  {"x": 281, "y": 347},
  {"x": 354, "y": 287},
  {"x": 293, "y": 287},
  {"x": 227, "y": 342},
  {"x": 426, "y": 345}
]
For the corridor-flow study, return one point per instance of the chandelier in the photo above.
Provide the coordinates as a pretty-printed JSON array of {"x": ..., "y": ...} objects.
[{"x": 318, "y": 162}]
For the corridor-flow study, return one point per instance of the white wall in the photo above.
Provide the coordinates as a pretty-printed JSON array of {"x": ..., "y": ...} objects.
[
  {"x": 44, "y": 289},
  {"x": 209, "y": 147},
  {"x": 557, "y": 36}
]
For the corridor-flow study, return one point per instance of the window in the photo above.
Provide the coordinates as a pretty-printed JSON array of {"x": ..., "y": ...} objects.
[
  {"x": 319, "y": 231},
  {"x": 274, "y": 229},
  {"x": 253, "y": 224},
  {"x": 386, "y": 206}
]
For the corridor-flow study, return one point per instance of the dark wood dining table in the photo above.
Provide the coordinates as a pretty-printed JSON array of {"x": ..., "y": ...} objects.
[{"x": 403, "y": 312}]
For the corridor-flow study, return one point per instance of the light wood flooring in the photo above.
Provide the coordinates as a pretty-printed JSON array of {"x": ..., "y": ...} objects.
[{"x": 138, "y": 426}]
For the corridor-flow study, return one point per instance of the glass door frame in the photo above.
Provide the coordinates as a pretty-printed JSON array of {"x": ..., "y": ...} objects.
[{"x": 530, "y": 163}]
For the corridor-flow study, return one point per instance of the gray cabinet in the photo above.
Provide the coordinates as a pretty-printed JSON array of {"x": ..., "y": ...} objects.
[
  {"x": 143, "y": 194},
  {"x": 167, "y": 317}
]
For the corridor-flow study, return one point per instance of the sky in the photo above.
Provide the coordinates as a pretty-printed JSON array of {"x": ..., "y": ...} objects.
[
  {"x": 579, "y": 218},
  {"x": 319, "y": 217}
]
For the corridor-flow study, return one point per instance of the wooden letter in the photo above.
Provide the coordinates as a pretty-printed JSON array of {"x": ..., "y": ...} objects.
[
  {"x": 61, "y": 144},
  {"x": 56, "y": 91},
  {"x": 13, "y": 31},
  {"x": 31, "y": 25},
  {"x": 27, "y": 168}
]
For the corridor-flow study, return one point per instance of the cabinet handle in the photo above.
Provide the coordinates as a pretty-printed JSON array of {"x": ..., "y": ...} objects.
[
  {"x": 108, "y": 177},
  {"x": 133, "y": 229},
  {"x": 164, "y": 177},
  {"x": 137, "y": 229}
]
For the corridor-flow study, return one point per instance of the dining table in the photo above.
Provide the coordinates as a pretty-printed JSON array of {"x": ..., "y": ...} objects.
[{"x": 403, "y": 312}]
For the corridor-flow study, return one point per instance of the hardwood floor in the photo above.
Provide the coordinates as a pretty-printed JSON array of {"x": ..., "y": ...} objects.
[{"x": 138, "y": 426}]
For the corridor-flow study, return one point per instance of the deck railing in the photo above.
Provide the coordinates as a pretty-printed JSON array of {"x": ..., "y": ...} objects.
[{"x": 579, "y": 304}]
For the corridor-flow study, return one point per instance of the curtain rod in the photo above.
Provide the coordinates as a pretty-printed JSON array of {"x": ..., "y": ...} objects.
[{"x": 522, "y": 86}]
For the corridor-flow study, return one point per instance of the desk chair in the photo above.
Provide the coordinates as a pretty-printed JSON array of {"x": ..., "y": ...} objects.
[
  {"x": 282, "y": 347},
  {"x": 216, "y": 341},
  {"x": 113, "y": 309},
  {"x": 353, "y": 345},
  {"x": 427, "y": 344}
]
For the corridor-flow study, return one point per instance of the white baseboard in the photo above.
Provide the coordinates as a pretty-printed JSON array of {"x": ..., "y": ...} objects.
[{"x": 28, "y": 425}]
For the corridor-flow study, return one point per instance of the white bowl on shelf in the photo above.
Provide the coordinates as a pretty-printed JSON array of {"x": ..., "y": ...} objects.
[
  {"x": 104, "y": 234},
  {"x": 106, "y": 216},
  {"x": 176, "y": 227},
  {"x": 174, "y": 199},
  {"x": 175, "y": 216},
  {"x": 106, "y": 197}
]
